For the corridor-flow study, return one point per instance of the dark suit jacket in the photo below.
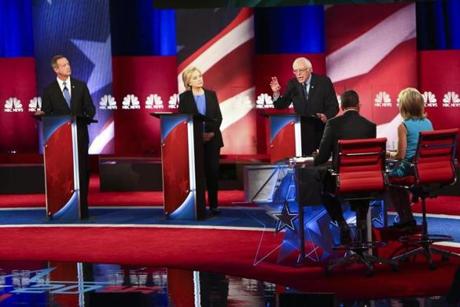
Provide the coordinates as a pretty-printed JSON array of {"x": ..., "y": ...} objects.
[
  {"x": 348, "y": 126},
  {"x": 321, "y": 99},
  {"x": 53, "y": 102},
  {"x": 187, "y": 105}
]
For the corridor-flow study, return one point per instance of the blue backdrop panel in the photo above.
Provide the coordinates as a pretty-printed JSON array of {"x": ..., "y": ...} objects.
[
  {"x": 16, "y": 28},
  {"x": 290, "y": 30}
]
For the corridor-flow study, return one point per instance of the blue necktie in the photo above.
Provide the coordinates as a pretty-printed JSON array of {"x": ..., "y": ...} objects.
[
  {"x": 65, "y": 91},
  {"x": 305, "y": 88}
]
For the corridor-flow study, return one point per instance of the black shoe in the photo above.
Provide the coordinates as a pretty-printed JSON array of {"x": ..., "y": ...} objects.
[{"x": 214, "y": 211}]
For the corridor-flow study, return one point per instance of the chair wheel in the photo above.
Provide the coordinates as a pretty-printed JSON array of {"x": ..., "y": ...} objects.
[
  {"x": 395, "y": 268},
  {"x": 432, "y": 266},
  {"x": 445, "y": 258},
  {"x": 370, "y": 272}
]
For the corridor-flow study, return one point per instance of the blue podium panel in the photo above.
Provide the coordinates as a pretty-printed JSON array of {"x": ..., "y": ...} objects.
[{"x": 285, "y": 137}]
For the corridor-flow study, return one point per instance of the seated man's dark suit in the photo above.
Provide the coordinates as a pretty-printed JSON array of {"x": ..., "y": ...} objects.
[
  {"x": 350, "y": 125},
  {"x": 321, "y": 99},
  {"x": 81, "y": 106}
]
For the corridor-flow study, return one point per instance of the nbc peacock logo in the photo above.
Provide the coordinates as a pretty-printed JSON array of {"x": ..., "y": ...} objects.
[
  {"x": 130, "y": 102},
  {"x": 35, "y": 104},
  {"x": 382, "y": 99},
  {"x": 451, "y": 99},
  {"x": 154, "y": 101},
  {"x": 430, "y": 99},
  {"x": 264, "y": 101},
  {"x": 13, "y": 104},
  {"x": 173, "y": 102},
  {"x": 107, "y": 102}
]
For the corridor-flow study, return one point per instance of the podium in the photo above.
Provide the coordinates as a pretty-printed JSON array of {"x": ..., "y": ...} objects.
[
  {"x": 182, "y": 165},
  {"x": 285, "y": 136},
  {"x": 61, "y": 159}
]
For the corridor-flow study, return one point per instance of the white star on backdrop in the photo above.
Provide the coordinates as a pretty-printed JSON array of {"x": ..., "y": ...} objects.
[{"x": 100, "y": 54}]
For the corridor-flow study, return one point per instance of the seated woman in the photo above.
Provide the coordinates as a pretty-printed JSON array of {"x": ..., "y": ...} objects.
[{"x": 412, "y": 110}]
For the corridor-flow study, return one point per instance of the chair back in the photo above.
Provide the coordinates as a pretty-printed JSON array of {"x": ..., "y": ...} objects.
[
  {"x": 360, "y": 166},
  {"x": 434, "y": 159}
]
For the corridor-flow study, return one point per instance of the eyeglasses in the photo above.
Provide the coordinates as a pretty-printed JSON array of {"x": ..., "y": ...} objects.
[{"x": 298, "y": 71}]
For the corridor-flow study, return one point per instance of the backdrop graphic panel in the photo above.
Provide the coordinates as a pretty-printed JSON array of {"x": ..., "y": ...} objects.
[
  {"x": 79, "y": 30},
  {"x": 440, "y": 83},
  {"x": 18, "y": 129},
  {"x": 373, "y": 51},
  {"x": 142, "y": 88},
  {"x": 223, "y": 51}
]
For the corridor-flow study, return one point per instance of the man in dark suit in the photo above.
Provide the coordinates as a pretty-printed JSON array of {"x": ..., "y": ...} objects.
[
  {"x": 314, "y": 99},
  {"x": 198, "y": 100},
  {"x": 350, "y": 125},
  {"x": 69, "y": 96}
]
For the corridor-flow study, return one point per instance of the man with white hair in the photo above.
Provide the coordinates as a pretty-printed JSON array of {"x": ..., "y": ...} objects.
[{"x": 314, "y": 99}]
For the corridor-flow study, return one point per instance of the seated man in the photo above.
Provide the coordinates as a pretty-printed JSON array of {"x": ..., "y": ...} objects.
[{"x": 349, "y": 125}]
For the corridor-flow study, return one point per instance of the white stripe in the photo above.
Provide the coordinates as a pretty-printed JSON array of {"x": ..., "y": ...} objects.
[
  {"x": 216, "y": 52},
  {"x": 236, "y": 107},
  {"x": 153, "y": 207},
  {"x": 362, "y": 54},
  {"x": 432, "y": 215},
  {"x": 102, "y": 139},
  {"x": 139, "y": 226},
  {"x": 450, "y": 244}
]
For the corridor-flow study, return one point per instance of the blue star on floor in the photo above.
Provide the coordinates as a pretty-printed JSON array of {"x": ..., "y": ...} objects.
[{"x": 285, "y": 218}]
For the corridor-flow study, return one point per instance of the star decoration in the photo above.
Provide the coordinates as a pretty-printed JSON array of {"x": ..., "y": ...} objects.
[
  {"x": 285, "y": 218},
  {"x": 100, "y": 54}
]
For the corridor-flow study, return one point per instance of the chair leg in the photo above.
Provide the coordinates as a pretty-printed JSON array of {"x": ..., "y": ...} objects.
[
  {"x": 360, "y": 256},
  {"x": 423, "y": 244}
]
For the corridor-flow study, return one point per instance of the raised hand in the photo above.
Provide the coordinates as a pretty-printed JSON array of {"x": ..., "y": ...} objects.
[{"x": 275, "y": 85}]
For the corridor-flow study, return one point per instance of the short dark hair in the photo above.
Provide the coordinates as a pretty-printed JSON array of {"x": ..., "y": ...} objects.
[
  {"x": 349, "y": 99},
  {"x": 55, "y": 58}
]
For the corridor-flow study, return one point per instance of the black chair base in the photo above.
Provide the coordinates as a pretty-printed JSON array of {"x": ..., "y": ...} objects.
[
  {"x": 359, "y": 253},
  {"x": 423, "y": 244}
]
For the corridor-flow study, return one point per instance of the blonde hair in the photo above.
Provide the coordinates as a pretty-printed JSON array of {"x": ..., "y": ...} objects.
[
  {"x": 411, "y": 104},
  {"x": 187, "y": 76}
]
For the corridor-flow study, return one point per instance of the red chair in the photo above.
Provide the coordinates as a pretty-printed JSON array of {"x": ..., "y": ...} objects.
[
  {"x": 434, "y": 167},
  {"x": 359, "y": 171}
]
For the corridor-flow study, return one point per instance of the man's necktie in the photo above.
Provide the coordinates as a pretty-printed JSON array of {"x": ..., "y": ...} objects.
[
  {"x": 305, "y": 90},
  {"x": 65, "y": 92}
]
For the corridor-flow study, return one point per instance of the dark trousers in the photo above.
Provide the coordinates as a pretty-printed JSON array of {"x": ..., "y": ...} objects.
[
  {"x": 211, "y": 170},
  {"x": 333, "y": 204},
  {"x": 312, "y": 132}
]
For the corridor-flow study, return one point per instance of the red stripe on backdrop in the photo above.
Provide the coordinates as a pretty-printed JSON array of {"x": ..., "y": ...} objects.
[
  {"x": 233, "y": 74},
  {"x": 18, "y": 130},
  {"x": 244, "y": 14},
  {"x": 439, "y": 74},
  {"x": 136, "y": 132},
  {"x": 358, "y": 18},
  {"x": 395, "y": 72}
]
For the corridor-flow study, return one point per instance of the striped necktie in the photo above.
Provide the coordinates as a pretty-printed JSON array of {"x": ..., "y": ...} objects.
[{"x": 65, "y": 92}]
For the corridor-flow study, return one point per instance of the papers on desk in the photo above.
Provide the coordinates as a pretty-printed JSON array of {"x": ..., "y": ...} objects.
[{"x": 301, "y": 161}]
